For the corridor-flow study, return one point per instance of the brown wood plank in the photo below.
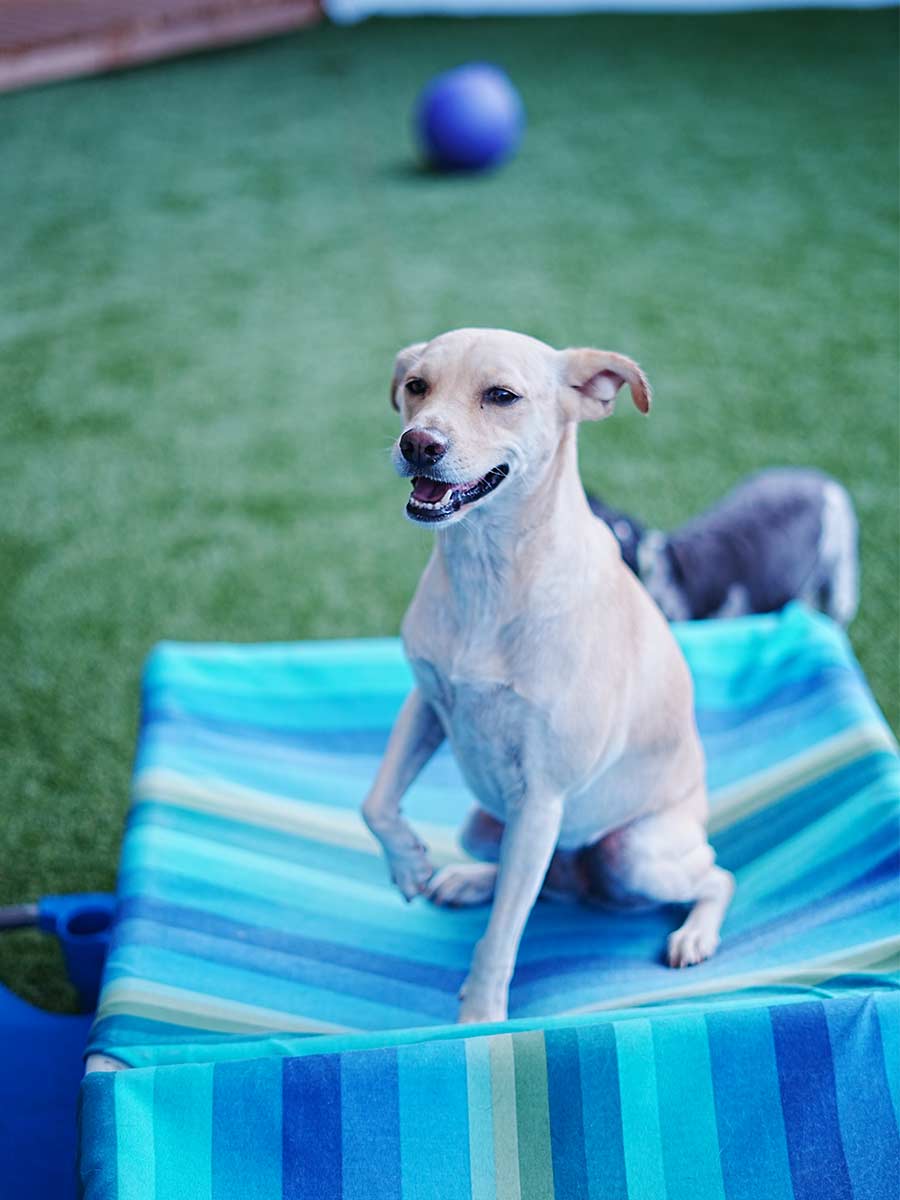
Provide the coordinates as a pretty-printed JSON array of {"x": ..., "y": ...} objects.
[{"x": 43, "y": 40}]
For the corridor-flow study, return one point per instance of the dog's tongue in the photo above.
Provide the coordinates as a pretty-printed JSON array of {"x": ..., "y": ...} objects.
[{"x": 428, "y": 490}]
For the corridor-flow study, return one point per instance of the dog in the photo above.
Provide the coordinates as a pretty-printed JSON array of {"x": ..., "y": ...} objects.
[
  {"x": 784, "y": 534},
  {"x": 542, "y": 660}
]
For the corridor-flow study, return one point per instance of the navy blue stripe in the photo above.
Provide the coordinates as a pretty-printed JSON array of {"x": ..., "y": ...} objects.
[
  {"x": 246, "y": 945},
  {"x": 604, "y": 1147},
  {"x": 868, "y": 1122},
  {"x": 831, "y": 679},
  {"x": 752, "y": 1147},
  {"x": 744, "y": 841},
  {"x": 371, "y": 1125},
  {"x": 358, "y": 981},
  {"x": 878, "y": 888},
  {"x": 809, "y": 1103},
  {"x": 311, "y": 1124},
  {"x": 98, "y": 1173},
  {"x": 566, "y": 1125}
]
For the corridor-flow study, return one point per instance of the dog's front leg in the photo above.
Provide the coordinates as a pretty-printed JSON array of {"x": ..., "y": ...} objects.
[
  {"x": 416, "y": 735},
  {"x": 530, "y": 838}
]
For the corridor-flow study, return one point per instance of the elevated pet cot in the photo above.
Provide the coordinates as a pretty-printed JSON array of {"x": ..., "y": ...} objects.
[{"x": 287, "y": 1018}]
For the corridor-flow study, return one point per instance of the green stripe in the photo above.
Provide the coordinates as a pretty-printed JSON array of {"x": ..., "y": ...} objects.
[
  {"x": 167, "y": 1004},
  {"x": 506, "y": 1136},
  {"x": 533, "y": 1116},
  {"x": 481, "y": 1118},
  {"x": 135, "y": 1150},
  {"x": 641, "y": 1134},
  {"x": 875, "y": 957}
]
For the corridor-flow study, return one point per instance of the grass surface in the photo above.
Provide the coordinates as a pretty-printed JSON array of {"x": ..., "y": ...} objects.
[{"x": 208, "y": 265}]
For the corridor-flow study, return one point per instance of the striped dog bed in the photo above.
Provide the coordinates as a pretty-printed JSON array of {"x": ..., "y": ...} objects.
[{"x": 255, "y": 912}]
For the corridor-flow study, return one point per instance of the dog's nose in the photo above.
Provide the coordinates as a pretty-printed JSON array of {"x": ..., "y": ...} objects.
[{"x": 422, "y": 447}]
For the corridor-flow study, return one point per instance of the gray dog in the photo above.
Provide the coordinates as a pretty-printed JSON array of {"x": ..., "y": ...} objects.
[{"x": 782, "y": 534}]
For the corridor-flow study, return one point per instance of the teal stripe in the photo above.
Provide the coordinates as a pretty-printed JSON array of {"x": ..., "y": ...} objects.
[
  {"x": 481, "y": 1118},
  {"x": 434, "y": 1121},
  {"x": 182, "y": 1132},
  {"x": 687, "y": 1111},
  {"x": 135, "y": 1150},
  {"x": 889, "y": 1020},
  {"x": 247, "y": 1129},
  {"x": 641, "y": 1133}
]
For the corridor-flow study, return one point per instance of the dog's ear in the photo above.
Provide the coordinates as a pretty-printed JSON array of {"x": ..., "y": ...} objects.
[
  {"x": 402, "y": 363},
  {"x": 593, "y": 379}
]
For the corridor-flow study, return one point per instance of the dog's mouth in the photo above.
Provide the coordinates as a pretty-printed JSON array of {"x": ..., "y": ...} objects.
[{"x": 436, "y": 499}]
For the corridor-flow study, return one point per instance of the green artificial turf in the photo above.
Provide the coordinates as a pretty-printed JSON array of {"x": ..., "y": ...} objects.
[{"x": 208, "y": 265}]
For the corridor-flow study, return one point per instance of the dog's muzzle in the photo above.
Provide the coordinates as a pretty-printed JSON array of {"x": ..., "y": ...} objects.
[{"x": 435, "y": 500}]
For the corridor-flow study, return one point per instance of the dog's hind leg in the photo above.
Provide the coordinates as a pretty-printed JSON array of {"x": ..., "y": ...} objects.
[
  {"x": 698, "y": 937},
  {"x": 461, "y": 885},
  {"x": 666, "y": 859}
]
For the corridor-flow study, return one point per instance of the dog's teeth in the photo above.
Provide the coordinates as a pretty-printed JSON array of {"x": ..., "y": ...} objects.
[{"x": 432, "y": 504}]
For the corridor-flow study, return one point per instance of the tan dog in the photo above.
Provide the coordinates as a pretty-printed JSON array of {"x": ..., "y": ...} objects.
[{"x": 540, "y": 656}]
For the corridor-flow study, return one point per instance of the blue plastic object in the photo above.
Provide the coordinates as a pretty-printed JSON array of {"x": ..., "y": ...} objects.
[
  {"x": 41, "y": 1053},
  {"x": 81, "y": 923},
  {"x": 40, "y": 1072},
  {"x": 470, "y": 118}
]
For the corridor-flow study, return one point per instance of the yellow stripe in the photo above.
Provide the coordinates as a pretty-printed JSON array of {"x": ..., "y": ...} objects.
[
  {"x": 883, "y": 954},
  {"x": 318, "y": 822},
  {"x": 178, "y": 1006},
  {"x": 735, "y": 803},
  {"x": 341, "y": 827},
  {"x": 506, "y": 1131}
]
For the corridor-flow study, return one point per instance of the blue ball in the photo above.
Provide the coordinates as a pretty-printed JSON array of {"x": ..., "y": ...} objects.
[{"x": 469, "y": 118}]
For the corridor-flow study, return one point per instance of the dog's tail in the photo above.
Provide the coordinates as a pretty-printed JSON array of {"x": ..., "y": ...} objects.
[{"x": 839, "y": 555}]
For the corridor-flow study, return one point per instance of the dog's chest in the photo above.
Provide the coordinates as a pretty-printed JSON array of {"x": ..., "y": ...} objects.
[{"x": 500, "y": 738}]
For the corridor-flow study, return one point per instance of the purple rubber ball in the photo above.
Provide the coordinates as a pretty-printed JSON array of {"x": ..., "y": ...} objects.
[{"x": 469, "y": 118}]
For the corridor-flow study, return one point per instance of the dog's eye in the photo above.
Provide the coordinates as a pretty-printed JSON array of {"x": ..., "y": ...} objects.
[
  {"x": 416, "y": 387},
  {"x": 501, "y": 396}
]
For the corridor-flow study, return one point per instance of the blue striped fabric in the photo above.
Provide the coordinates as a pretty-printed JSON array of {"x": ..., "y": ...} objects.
[
  {"x": 254, "y": 908},
  {"x": 255, "y": 911},
  {"x": 785, "y": 1102}
]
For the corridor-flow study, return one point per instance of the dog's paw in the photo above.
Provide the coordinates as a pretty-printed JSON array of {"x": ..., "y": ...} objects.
[
  {"x": 462, "y": 885},
  {"x": 691, "y": 945},
  {"x": 411, "y": 871}
]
